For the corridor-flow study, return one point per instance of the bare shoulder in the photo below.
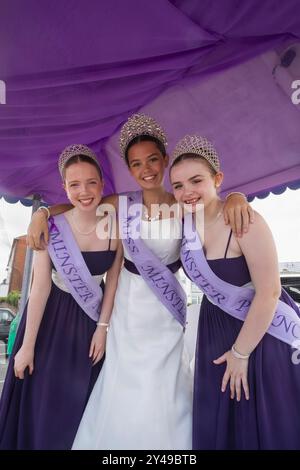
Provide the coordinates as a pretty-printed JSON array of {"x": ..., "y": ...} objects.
[
  {"x": 259, "y": 223},
  {"x": 111, "y": 199},
  {"x": 172, "y": 199},
  {"x": 258, "y": 231}
]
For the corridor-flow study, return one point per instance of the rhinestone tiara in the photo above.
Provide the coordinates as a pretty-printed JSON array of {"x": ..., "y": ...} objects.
[
  {"x": 199, "y": 146},
  {"x": 71, "y": 151},
  {"x": 140, "y": 124}
]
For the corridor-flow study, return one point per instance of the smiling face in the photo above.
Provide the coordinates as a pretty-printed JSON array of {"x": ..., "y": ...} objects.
[
  {"x": 83, "y": 185},
  {"x": 147, "y": 164},
  {"x": 194, "y": 183}
]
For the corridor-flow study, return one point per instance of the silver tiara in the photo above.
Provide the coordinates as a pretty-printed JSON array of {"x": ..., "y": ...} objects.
[
  {"x": 199, "y": 146},
  {"x": 71, "y": 151},
  {"x": 140, "y": 124}
]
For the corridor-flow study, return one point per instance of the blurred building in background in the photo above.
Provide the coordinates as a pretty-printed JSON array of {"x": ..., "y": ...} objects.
[{"x": 15, "y": 265}]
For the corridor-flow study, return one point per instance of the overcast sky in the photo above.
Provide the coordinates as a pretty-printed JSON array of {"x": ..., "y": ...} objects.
[{"x": 281, "y": 212}]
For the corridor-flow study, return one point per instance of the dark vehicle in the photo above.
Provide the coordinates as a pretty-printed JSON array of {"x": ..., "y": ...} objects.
[
  {"x": 291, "y": 283},
  {"x": 6, "y": 317}
]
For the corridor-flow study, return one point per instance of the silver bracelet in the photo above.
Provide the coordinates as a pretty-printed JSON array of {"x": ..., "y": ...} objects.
[
  {"x": 100, "y": 323},
  {"x": 235, "y": 192},
  {"x": 239, "y": 355},
  {"x": 46, "y": 209}
]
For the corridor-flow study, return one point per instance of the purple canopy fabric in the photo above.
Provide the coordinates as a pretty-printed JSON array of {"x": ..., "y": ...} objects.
[{"x": 75, "y": 70}]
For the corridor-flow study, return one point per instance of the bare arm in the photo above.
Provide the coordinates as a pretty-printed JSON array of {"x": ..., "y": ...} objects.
[
  {"x": 238, "y": 214},
  {"x": 111, "y": 199},
  {"x": 60, "y": 208},
  {"x": 260, "y": 252},
  {"x": 38, "y": 233},
  {"x": 97, "y": 347},
  {"x": 111, "y": 285},
  {"x": 36, "y": 305}
]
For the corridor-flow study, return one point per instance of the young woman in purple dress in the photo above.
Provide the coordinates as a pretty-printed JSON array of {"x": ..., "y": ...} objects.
[
  {"x": 247, "y": 378},
  {"x": 59, "y": 348}
]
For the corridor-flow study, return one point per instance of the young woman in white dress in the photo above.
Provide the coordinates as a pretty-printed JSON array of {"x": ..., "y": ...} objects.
[{"x": 143, "y": 399}]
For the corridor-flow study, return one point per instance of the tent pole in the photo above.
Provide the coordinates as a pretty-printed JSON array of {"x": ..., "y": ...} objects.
[{"x": 28, "y": 263}]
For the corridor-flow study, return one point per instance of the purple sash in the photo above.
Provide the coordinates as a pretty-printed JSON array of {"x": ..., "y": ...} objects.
[
  {"x": 232, "y": 299},
  {"x": 156, "y": 275},
  {"x": 70, "y": 265}
]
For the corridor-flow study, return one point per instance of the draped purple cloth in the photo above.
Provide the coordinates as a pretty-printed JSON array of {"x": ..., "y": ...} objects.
[{"x": 75, "y": 70}]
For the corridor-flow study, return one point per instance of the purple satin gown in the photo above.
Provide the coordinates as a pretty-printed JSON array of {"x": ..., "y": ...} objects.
[{"x": 44, "y": 410}]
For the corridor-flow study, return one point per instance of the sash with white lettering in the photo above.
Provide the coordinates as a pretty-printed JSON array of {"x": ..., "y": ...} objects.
[
  {"x": 234, "y": 300},
  {"x": 70, "y": 265},
  {"x": 157, "y": 276}
]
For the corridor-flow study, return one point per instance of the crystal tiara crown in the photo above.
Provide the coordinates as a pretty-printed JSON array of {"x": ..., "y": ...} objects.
[
  {"x": 140, "y": 124},
  {"x": 71, "y": 151},
  {"x": 199, "y": 146}
]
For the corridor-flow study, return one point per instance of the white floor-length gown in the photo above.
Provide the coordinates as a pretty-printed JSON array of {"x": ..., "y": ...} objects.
[{"x": 143, "y": 396}]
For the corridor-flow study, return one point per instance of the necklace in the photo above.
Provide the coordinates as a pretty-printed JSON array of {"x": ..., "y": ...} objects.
[
  {"x": 77, "y": 229},
  {"x": 214, "y": 221},
  {"x": 157, "y": 215},
  {"x": 151, "y": 219}
]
